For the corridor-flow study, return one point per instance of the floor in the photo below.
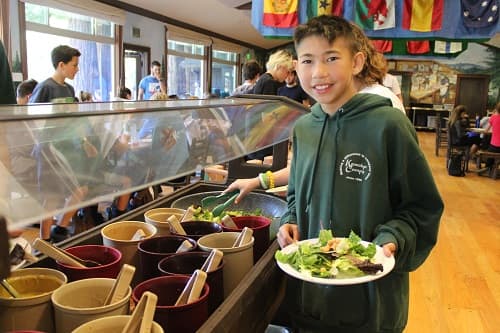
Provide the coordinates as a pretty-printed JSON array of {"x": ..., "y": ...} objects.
[{"x": 458, "y": 288}]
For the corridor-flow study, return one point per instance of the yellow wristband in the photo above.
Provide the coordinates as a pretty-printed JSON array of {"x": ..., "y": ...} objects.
[{"x": 270, "y": 176}]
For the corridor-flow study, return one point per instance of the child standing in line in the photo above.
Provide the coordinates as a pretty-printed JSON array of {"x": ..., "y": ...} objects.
[
  {"x": 55, "y": 89},
  {"x": 356, "y": 166}
]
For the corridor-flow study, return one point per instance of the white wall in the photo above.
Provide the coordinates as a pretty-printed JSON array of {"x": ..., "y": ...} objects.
[{"x": 152, "y": 34}]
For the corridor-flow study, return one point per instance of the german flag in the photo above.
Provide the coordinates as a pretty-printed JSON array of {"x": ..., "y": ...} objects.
[
  {"x": 423, "y": 15},
  {"x": 280, "y": 13}
]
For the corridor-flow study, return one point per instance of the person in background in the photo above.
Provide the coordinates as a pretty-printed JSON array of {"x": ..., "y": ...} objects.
[
  {"x": 356, "y": 166},
  {"x": 251, "y": 73},
  {"x": 55, "y": 89},
  {"x": 151, "y": 83},
  {"x": 125, "y": 93},
  {"x": 7, "y": 95},
  {"x": 85, "y": 97},
  {"x": 391, "y": 82},
  {"x": 25, "y": 90},
  {"x": 293, "y": 90},
  {"x": 458, "y": 125},
  {"x": 494, "y": 127},
  {"x": 278, "y": 66}
]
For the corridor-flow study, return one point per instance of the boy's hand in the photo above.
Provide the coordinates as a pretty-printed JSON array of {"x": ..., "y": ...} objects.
[
  {"x": 389, "y": 249},
  {"x": 245, "y": 186},
  {"x": 288, "y": 234}
]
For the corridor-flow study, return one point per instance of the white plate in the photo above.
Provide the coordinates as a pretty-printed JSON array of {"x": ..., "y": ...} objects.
[
  {"x": 278, "y": 189},
  {"x": 380, "y": 258},
  {"x": 25, "y": 245}
]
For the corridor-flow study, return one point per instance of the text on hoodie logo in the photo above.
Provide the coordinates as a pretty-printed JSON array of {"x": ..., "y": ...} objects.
[{"x": 355, "y": 166}]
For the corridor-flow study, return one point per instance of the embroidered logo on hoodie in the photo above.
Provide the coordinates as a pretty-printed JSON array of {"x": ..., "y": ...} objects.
[{"x": 355, "y": 166}]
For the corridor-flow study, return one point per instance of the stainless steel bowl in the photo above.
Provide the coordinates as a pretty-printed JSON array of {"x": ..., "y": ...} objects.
[{"x": 272, "y": 207}]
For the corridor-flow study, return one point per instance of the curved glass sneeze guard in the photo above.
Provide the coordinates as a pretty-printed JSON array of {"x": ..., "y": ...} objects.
[{"x": 53, "y": 154}]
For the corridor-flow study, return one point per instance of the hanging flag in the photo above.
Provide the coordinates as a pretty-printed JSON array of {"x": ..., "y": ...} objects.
[
  {"x": 280, "y": 13},
  {"x": 382, "y": 45},
  {"x": 423, "y": 15},
  {"x": 480, "y": 14},
  {"x": 418, "y": 46},
  {"x": 325, "y": 7},
  {"x": 444, "y": 47},
  {"x": 375, "y": 14}
]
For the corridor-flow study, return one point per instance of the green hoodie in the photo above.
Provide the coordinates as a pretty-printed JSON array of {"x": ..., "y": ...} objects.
[{"x": 362, "y": 170}]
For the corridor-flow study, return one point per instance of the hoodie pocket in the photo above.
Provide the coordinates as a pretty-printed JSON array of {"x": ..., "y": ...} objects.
[{"x": 337, "y": 306}]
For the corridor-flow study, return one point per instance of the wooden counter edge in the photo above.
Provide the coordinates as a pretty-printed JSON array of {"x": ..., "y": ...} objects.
[{"x": 254, "y": 302}]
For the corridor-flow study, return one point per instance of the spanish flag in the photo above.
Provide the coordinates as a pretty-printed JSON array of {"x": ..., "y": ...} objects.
[
  {"x": 325, "y": 7},
  {"x": 280, "y": 13},
  {"x": 375, "y": 14},
  {"x": 423, "y": 15}
]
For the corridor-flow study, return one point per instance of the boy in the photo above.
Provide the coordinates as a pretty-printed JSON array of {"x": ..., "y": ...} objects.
[
  {"x": 25, "y": 90},
  {"x": 55, "y": 89},
  {"x": 151, "y": 83},
  {"x": 356, "y": 166}
]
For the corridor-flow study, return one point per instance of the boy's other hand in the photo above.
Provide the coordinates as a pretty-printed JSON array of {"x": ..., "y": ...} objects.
[
  {"x": 288, "y": 234},
  {"x": 389, "y": 249}
]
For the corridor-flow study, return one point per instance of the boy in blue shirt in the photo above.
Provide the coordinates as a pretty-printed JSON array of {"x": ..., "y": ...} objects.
[{"x": 151, "y": 83}]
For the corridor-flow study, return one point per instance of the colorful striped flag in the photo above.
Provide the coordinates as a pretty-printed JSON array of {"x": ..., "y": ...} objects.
[
  {"x": 280, "y": 13},
  {"x": 375, "y": 14},
  {"x": 423, "y": 15},
  {"x": 325, "y": 7}
]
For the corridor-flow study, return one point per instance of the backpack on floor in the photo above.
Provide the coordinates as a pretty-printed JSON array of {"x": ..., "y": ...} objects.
[{"x": 456, "y": 165}]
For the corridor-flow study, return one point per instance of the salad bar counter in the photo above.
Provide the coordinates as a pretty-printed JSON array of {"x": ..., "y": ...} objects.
[{"x": 254, "y": 302}]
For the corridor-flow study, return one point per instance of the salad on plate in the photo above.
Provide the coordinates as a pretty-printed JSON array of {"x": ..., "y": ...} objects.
[{"x": 331, "y": 258}]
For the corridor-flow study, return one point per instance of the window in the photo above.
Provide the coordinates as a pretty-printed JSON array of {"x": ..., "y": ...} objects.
[
  {"x": 47, "y": 28},
  {"x": 223, "y": 73},
  {"x": 185, "y": 69}
]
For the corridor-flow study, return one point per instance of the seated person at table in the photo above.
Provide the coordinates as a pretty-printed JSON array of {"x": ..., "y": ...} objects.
[
  {"x": 494, "y": 127},
  {"x": 459, "y": 122}
]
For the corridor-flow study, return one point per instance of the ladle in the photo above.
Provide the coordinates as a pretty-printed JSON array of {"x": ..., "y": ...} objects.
[
  {"x": 141, "y": 320},
  {"x": 11, "y": 290},
  {"x": 184, "y": 247},
  {"x": 61, "y": 255},
  {"x": 176, "y": 225},
  {"x": 121, "y": 284}
]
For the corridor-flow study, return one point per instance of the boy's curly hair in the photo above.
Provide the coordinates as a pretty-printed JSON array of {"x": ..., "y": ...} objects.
[{"x": 333, "y": 27}]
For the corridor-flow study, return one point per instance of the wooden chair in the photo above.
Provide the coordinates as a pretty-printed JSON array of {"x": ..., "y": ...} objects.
[{"x": 441, "y": 135}]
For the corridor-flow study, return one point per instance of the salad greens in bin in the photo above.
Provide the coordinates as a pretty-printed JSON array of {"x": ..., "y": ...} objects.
[
  {"x": 332, "y": 257},
  {"x": 200, "y": 214}
]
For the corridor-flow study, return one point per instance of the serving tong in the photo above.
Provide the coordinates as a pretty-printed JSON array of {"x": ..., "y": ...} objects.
[
  {"x": 62, "y": 256},
  {"x": 217, "y": 210},
  {"x": 121, "y": 284},
  {"x": 193, "y": 288},
  {"x": 141, "y": 320},
  {"x": 213, "y": 260}
]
